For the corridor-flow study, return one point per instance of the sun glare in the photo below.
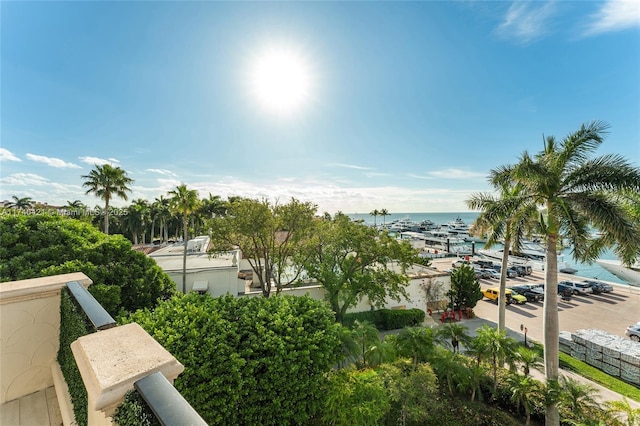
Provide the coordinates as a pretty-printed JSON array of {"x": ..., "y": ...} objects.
[{"x": 281, "y": 81}]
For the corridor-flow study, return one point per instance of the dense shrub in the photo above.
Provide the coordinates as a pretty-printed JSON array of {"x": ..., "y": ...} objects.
[
  {"x": 73, "y": 324},
  {"x": 387, "y": 319},
  {"x": 43, "y": 245},
  {"x": 248, "y": 360},
  {"x": 134, "y": 411}
]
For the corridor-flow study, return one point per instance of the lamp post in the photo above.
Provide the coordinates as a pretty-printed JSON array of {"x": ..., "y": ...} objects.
[{"x": 524, "y": 329}]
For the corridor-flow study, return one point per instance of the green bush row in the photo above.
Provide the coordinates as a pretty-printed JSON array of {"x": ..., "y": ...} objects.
[
  {"x": 387, "y": 319},
  {"x": 73, "y": 324}
]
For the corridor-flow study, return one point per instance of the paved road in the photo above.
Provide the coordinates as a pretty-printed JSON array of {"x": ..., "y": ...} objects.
[{"x": 611, "y": 312}]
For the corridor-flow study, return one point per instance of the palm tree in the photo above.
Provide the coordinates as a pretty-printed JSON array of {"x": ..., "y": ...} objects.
[
  {"x": 365, "y": 335},
  {"x": 524, "y": 390},
  {"x": 137, "y": 218},
  {"x": 375, "y": 213},
  {"x": 494, "y": 345},
  {"x": 576, "y": 193},
  {"x": 21, "y": 203},
  {"x": 184, "y": 202},
  {"x": 528, "y": 359},
  {"x": 416, "y": 343},
  {"x": 106, "y": 182},
  {"x": 162, "y": 211},
  {"x": 623, "y": 407},
  {"x": 577, "y": 398},
  {"x": 503, "y": 218},
  {"x": 384, "y": 213},
  {"x": 454, "y": 334}
]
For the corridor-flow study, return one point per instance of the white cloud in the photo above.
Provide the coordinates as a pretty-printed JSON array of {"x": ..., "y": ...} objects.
[
  {"x": 615, "y": 15},
  {"x": 6, "y": 155},
  {"x": 162, "y": 172},
  {"x": 23, "y": 179},
  {"x": 456, "y": 174},
  {"x": 98, "y": 161},
  {"x": 53, "y": 162},
  {"x": 526, "y": 21},
  {"x": 349, "y": 166}
]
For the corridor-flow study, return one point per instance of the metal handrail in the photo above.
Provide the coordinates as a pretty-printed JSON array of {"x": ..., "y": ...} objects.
[
  {"x": 167, "y": 404},
  {"x": 98, "y": 316}
]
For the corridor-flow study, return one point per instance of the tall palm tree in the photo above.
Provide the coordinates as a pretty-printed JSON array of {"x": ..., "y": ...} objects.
[
  {"x": 384, "y": 213},
  {"x": 106, "y": 182},
  {"x": 576, "y": 192},
  {"x": 375, "y": 213},
  {"x": 21, "y": 202},
  {"x": 138, "y": 214},
  {"x": 505, "y": 219},
  {"x": 184, "y": 202}
]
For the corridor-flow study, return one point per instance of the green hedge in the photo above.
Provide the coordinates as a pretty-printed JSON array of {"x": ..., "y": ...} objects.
[
  {"x": 387, "y": 319},
  {"x": 73, "y": 324},
  {"x": 248, "y": 361},
  {"x": 134, "y": 411}
]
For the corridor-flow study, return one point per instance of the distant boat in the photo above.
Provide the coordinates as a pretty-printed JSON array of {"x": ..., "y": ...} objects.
[
  {"x": 531, "y": 254},
  {"x": 630, "y": 275}
]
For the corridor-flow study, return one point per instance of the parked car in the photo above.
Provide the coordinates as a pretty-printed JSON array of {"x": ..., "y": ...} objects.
[
  {"x": 460, "y": 262},
  {"x": 578, "y": 288},
  {"x": 484, "y": 263},
  {"x": 532, "y": 295},
  {"x": 494, "y": 274},
  {"x": 565, "y": 291},
  {"x": 518, "y": 297},
  {"x": 493, "y": 293},
  {"x": 523, "y": 270},
  {"x": 512, "y": 272},
  {"x": 633, "y": 331},
  {"x": 598, "y": 286}
]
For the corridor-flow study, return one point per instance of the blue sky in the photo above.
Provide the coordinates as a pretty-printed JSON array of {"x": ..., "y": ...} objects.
[{"x": 407, "y": 107}]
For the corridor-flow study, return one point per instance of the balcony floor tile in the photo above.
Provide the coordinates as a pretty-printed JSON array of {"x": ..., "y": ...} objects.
[{"x": 38, "y": 409}]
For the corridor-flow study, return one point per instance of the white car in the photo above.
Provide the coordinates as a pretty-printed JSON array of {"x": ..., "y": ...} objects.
[
  {"x": 578, "y": 288},
  {"x": 633, "y": 331}
]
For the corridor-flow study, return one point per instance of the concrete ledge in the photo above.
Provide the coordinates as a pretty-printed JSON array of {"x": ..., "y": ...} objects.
[
  {"x": 35, "y": 288},
  {"x": 64, "y": 398},
  {"x": 110, "y": 361}
]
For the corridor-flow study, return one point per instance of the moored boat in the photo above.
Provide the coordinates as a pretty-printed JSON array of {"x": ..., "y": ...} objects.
[{"x": 629, "y": 274}]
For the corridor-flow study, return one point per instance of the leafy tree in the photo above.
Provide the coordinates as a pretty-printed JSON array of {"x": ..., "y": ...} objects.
[
  {"x": 44, "y": 245},
  {"x": 410, "y": 391},
  {"x": 249, "y": 360},
  {"x": 106, "y": 182},
  {"x": 184, "y": 202},
  {"x": 355, "y": 397},
  {"x": 353, "y": 261},
  {"x": 576, "y": 193},
  {"x": 269, "y": 235},
  {"x": 465, "y": 288},
  {"x": 449, "y": 367},
  {"x": 505, "y": 219},
  {"x": 365, "y": 336}
]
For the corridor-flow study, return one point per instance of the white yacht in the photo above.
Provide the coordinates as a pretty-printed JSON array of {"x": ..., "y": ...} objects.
[
  {"x": 630, "y": 275},
  {"x": 531, "y": 254}
]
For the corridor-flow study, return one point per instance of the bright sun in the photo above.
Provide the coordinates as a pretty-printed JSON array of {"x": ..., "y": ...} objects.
[{"x": 281, "y": 81}]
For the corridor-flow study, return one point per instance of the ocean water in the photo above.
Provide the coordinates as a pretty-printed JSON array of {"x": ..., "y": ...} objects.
[{"x": 585, "y": 270}]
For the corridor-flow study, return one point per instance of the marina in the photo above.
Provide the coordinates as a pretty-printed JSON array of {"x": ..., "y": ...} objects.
[{"x": 430, "y": 232}]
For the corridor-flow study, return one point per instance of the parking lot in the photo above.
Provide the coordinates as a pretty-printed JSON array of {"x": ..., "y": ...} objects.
[{"x": 611, "y": 312}]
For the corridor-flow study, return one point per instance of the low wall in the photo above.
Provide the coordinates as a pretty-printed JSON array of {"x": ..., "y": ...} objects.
[{"x": 29, "y": 333}]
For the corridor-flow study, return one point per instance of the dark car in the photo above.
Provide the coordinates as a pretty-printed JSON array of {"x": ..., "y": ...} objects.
[
  {"x": 565, "y": 291},
  {"x": 519, "y": 270},
  {"x": 599, "y": 287},
  {"x": 512, "y": 272},
  {"x": 532, "y": 295}
]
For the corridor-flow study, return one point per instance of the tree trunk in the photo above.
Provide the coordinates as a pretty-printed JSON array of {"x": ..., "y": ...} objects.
[
  {"x": 106, "y": 216},
  {"x": 502, "y": 297},
  {"x": 184, "y": 255},
  {"x": 550, "y": 324}
]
